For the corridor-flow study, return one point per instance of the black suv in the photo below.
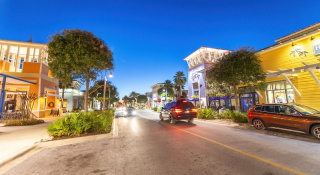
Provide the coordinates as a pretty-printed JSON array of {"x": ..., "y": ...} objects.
[{"x": 178, "y": 110}]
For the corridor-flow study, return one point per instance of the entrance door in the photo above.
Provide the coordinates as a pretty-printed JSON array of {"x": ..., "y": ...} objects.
[{"x": 246, "y": 104}]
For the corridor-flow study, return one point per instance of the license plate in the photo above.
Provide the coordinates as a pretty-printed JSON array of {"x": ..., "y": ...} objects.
[{"x": 187, "y": 111}]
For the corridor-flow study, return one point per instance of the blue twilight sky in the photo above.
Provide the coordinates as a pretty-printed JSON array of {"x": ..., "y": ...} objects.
[{"x": 150, "y": 39}]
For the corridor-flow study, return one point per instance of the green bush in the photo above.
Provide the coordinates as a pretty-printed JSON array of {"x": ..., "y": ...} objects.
[
  {"x": 155, "y": 109},
  {"x": 20, "y": 122},
  {"x": 76, "y": 124},
  {"x": 206, "y": 114},
  {"x": 158, "y": 109},
  {"x": 239, "y": 117},
  {"x": 226, "y": 115}
]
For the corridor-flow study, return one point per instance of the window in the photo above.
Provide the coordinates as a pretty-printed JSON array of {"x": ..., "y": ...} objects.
[
  {"x": 196, "y": 92},
  {"x": 173, "y": 104},
  {"x": 166, "y": 106},
  {"x": 258, "y": 108},
  {"x": 280, "y": 92},
  {"x": 268, "y": 109}
]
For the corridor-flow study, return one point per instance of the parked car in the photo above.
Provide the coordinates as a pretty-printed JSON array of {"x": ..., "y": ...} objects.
[
  {"x": 178, "y": 110},
  {"x": 131, "y": 111},
  {"x": 289, "y": 116}
]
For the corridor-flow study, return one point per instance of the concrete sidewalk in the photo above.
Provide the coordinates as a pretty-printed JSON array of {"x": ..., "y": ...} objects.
[{"x": 16, "y": 139}]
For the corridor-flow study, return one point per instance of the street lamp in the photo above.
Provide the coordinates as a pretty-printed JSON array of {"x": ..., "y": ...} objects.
[{"x": 104, "y": 89}]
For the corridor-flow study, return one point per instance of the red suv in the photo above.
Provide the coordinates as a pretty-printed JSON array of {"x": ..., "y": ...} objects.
[
  {"x": 288, "y": 116},
  {"x": 178, "y": 110}
]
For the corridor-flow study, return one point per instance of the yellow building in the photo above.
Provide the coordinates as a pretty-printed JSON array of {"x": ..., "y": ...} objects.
[
  {"x": 293, "y": 68},
  {"x": 28, "y": 61}
]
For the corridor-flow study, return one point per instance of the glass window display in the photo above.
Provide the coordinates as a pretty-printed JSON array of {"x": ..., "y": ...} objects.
[{"x": 280, "y": 92}]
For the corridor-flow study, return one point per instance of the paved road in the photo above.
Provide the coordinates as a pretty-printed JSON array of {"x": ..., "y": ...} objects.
[{"x": 147, "y": 146}]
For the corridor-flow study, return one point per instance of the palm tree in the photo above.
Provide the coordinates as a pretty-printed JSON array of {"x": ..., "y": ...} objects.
[
  {"x": 134, "y": 95},
  {"x": 168, "y": 85},
  {"x": 180, "y": 80},
  {"x": 194, "y": 99}
]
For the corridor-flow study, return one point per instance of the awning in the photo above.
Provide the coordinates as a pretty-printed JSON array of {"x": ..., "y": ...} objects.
[
  {"x": 226, "y": 97},
  {"x": 15, "y": 80},
  {"x": 214, "y": 98},
  {"x": 308, "y": 67}
]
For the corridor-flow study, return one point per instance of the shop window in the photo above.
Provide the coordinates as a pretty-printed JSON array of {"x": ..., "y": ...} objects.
[{"x": 280, "y": 92}]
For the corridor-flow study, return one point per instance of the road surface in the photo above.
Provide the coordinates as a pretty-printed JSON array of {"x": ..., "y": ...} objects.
[{"x": 147, "y": 146}]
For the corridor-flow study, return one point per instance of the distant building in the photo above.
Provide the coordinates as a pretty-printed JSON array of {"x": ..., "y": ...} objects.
[
  {"x": 198, "y": 61},
  {"x": 156, "y": 98}
]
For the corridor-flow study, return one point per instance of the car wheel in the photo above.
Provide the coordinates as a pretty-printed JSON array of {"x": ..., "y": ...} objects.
[
  {"x": 258, "y": 124},
  {"x": 190, "y": 120},
  {"x": 172, "y": 120},
  {"x": 316, "y": 131},
  {"x": 161, "y": 118}
]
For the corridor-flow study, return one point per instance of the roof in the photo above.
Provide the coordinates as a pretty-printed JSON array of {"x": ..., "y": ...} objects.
[
  {"x": 299, "y": 32},
  {"x": 15, "y": 80},
  {"x": 205, "y": 47},
  {"x": 21, "y": 42}
]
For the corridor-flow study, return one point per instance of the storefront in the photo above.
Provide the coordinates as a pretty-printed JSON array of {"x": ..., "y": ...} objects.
[{"x": 293, "y": 68}]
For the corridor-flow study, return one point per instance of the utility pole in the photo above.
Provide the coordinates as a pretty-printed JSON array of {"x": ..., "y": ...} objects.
[{"x": 104, "y": 90}]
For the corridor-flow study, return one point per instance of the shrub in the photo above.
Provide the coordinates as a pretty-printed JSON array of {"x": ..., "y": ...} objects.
[
  {"x": 20, "y": 122},
  {"x": 155, "y": 109},
  {"x": 206, "y": 114},
  {"x": 158, "y": 109},
  {"x": 239, "y": 117},
  {"x": 79, "y": 123},
  {"x": 226, "y": 115}
]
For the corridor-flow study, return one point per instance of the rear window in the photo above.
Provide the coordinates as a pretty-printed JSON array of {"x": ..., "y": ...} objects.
[
  {"x": 181, "y": 104},
  {"x": 258, "y": 108}
]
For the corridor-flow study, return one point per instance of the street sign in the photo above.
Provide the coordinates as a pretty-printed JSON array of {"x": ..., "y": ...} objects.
[{"x": 159, "y": 100}]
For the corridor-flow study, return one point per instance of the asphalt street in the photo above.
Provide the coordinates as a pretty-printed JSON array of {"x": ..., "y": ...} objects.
[{"x": 147, "y": 146}]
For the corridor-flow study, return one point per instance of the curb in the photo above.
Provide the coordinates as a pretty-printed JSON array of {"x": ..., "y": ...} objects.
[{"x": 19, "y": 157}]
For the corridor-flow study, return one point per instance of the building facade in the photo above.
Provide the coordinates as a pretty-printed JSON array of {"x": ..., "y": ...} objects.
[
  {"x": 293, "y": 68},
  {"x": 28, "y": 61},
  {"x": 198, "y": 61}
]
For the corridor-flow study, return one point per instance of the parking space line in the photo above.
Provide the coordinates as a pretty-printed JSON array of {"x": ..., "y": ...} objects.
[{"x": 234, "y": 149}]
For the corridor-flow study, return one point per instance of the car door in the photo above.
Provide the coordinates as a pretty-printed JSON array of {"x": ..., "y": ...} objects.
[
  {"x": 289, "y": 118},
  {"x": 268, "y": 114}
]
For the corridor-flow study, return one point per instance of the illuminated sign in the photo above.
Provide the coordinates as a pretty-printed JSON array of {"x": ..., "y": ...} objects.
[{"x": 316, "y": 49}]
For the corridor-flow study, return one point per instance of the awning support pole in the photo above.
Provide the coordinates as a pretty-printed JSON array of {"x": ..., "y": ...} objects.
[
  {"x": 294, "y": 88},
  {"x": 3, "y": 94},
  {"x": 314, "y": 76},
  {"x": 259, "y": 94}
]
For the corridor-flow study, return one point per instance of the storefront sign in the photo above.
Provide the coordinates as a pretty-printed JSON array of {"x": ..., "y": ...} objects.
[
  {"x": 316, "y": 49},
  {"x": 298, "y": 52}
]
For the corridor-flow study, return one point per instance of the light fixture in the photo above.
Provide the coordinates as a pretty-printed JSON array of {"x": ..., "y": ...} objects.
[
  {"x": 312, "y": 37},
  {"x": 110, "y": 75},
  {"x": 293, "y": 44}
]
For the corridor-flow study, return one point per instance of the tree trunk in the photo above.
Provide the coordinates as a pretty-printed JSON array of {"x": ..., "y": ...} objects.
[
  {"x": 101, "y": 106},
  {"x": 180, "y": 90},
  {"x": 62, "y": 96},
  {"x": 86, "y": 93},
  {"x": 236, "y": 97}
]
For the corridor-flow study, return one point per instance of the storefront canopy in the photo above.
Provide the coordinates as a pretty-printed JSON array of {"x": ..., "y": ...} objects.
[
  {"x": 214, "y": 98},
  {"x": 226, "y": 97},
  {"x": 14, "y": 80}
]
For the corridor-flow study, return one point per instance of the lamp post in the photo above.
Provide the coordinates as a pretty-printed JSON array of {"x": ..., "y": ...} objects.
[
  {"x": 166, "y": 94},
  {"x": 104, "y": 89}
]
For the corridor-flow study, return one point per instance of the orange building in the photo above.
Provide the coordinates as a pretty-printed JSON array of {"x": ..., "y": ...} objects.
[{"x": 28, "y": 61}]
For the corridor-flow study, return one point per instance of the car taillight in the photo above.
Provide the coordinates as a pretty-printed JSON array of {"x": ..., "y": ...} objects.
[
  {"x": 184, "y": 101},
  {"x": 250, "y": 114},
  {"x": 194, "y": 110},
  {"x": 178, "y": 110}
]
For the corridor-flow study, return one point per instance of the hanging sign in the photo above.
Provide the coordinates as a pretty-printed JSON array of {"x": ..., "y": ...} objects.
[{"x": 316, "y": 49}]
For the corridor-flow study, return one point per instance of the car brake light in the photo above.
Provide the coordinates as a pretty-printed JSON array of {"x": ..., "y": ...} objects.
[
  {"x": 178, "y": 110},
  {"x": 184, "y": 101},
  {"x": 194, "y": 110}
]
